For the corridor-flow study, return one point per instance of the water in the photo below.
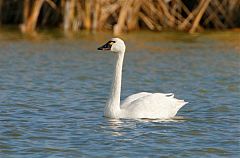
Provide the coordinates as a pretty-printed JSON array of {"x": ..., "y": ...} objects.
[{"x": 53, "y": 90}]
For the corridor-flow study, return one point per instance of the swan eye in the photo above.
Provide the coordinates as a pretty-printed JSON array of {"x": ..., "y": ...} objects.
[{"x": 111, "y": 43}]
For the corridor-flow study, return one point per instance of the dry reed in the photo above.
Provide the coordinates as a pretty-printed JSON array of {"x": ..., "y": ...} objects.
[{"x": 121, "y": 15}]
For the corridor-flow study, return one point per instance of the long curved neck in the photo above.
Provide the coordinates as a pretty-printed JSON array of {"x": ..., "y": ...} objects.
[{"x": 113, "y": 105}]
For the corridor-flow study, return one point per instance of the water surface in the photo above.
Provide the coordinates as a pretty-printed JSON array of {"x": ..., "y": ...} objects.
[{"x": 53, "y": 89}]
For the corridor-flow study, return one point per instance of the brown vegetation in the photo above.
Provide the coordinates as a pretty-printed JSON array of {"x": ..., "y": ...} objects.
[{"x": 121, "y": 15}]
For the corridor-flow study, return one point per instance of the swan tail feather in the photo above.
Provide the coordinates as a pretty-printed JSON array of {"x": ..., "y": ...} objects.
[
  {"x": 169, "y": 95},
  {"x": 181, "y": 103}
]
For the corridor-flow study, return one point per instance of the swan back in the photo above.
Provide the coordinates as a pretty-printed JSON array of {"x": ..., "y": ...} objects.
[{"x": 151, "y": 105}]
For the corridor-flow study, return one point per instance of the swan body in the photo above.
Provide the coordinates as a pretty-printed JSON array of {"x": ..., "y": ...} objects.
[{"x": 140, "y": 105}]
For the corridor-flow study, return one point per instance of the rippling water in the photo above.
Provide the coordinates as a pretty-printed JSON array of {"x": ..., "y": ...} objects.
[{"x": 53, "y": 91}]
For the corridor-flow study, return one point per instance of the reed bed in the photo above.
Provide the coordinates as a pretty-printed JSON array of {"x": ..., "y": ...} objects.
[{"x": 121, "y": 15}]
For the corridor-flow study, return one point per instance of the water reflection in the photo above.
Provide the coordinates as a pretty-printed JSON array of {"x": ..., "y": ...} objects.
[
  {"x": 177, "y": 119},
  {"x": 119, "y": 126}
]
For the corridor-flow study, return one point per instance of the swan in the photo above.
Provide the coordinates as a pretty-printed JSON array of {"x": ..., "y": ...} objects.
[{"x": 140, "y": 105}]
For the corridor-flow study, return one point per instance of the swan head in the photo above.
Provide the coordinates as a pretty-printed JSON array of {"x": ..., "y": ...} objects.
[{"x": 115, "y": 45}]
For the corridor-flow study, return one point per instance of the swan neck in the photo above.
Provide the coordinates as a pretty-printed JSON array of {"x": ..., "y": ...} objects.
[{"x": 113, "y": 106}]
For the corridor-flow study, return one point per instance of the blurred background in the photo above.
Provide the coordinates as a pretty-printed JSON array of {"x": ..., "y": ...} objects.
[{"x": 120, "y": 15}]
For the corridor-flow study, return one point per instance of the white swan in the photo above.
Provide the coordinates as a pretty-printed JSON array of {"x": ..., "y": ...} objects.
[{"x": 140, "y": 105}]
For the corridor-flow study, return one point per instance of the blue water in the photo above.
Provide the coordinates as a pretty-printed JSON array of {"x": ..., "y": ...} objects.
[{"x": 53, "y": 91}]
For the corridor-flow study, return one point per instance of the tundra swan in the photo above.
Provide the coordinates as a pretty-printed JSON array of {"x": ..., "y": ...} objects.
[{"x": 140, "y": 105}]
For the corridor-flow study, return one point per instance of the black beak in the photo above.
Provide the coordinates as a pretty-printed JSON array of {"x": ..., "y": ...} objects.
[{"x": 106, "y": 46}]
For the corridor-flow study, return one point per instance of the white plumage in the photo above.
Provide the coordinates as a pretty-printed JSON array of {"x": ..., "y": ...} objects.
[{"x": 140, "y": 105}]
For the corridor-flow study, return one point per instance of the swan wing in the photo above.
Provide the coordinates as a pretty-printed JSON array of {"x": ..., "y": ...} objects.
[
  {"x": 152, "y": 105},
  {"x": 133, "y": 97}
]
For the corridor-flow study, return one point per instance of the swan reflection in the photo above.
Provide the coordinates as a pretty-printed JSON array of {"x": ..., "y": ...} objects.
[
  {"x": 119, "y": 127},
  {"x": 174, "y": 119}
]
